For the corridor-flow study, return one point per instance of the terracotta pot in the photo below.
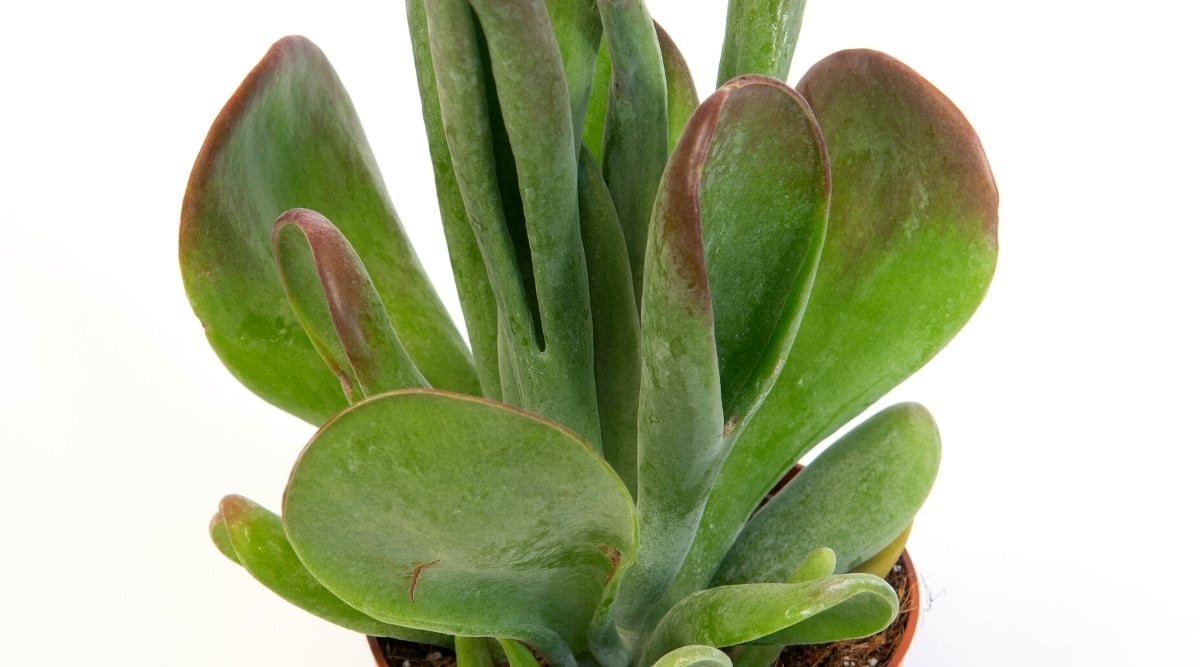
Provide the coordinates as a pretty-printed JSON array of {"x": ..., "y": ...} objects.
[{"x": 889, "y": 652}]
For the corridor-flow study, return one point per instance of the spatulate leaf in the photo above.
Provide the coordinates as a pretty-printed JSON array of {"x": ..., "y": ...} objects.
[
  {"x": 257, "y": 539},
  {"x": 505, "y": 525},
  {"x": 829, "y": 609},
  {"x": 855, "y": 498},
  {"x": 289, "y": 138},
  {"x": 909, "y": 254}
]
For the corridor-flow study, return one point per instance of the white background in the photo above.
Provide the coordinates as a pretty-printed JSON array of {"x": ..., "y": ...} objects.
[{"x": 1059, "y": 531}]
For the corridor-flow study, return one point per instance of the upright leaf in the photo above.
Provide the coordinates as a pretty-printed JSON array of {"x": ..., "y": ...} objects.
[
  {"x": 679, "y": 418},
  {"x": 511, "y": 166},
  {"x": 737, "y": 232},
  {"x": 506, "y": 525},
  {"x": 764, "y": 205},
  {"x": 577, "y": 30},
  {"x": 470, "y": 273},
  {"x": 616, "y": 331},
  {"x": 635, "y": 128},
  {"x": 681, "y": 89},
  {"x": 760, "y": 38},
  {"x": 910, "y": 251},
  {"x": 289, "y": 138}
]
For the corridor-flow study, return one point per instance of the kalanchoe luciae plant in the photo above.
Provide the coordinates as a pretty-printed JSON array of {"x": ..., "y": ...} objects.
[{"x": 668, "y": 303}]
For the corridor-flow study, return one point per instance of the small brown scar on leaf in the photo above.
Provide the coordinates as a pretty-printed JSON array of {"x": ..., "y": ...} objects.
[
  {"x": 614, "y": 559},
  {"x": 416, "y": 574}
]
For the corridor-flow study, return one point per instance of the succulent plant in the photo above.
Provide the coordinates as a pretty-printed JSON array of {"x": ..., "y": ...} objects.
[{"x": 668, "y": 303}]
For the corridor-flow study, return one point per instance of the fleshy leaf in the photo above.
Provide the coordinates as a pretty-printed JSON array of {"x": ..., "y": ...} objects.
[
  {"x": 326, "y": 283},
  {"x": 882, "y": 562},
  {"x": 679, "y": 418},
  {"x": 694, "y": 656},
  {"x": 819, "y": 563},
  {"x": 855, "y": 498},
  {"x": 760, "y": 38},
  {"x": 764, "y": 204},
  {"x": 472, "y": 652},
  {"x": 425, "y": 525},
  {"x": 525, "y": 213},
  {"x": 518, "y": 654},
  {"x": 635, "y": 128},
  {"x": 682, "y": 99},
  {"x": 220, "y": 538},
  {"x": 470, "y": 274},
  {"x": 681, "y": 94},
  {"x": 256, "y": 537},
  {"x": 289, "y": 138},
  {"x": 910, "y": 251},
  {"x": 735, "y": 216},
  {"x": 839, "y": 607},
  {"x": 577, "y": 30},
  {"x": 616, "y": 331}
]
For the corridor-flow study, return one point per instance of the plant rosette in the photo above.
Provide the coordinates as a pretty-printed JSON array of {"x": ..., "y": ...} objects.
[{"x": 668, "y": 302}]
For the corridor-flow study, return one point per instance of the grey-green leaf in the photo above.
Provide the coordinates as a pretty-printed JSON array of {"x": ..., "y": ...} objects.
[
  {"x": 289, "y": 138},
  {"x": 256, "y": 537},
  {"x": 470, "y": 273},
  {"x": 854, "y": 498},
  {"x": 616, "y": 330},
  {"x": 461, "y": 516},
  {"x": 839, "y": 607},
  {"x": 635, "y": 128}
]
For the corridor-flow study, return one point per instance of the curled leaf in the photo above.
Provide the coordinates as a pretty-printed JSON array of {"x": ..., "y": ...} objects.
[
  {"x": 328, "y": 288},
  {"x": 289, "y": 138}
]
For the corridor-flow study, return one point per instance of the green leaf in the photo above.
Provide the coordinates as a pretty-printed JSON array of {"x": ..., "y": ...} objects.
[
  {"x": 577, "y": 30},
  {"x": 764, "y": 204},
  {"x": 220, "y": 538},
  {"x": 518, "y": 654},
  {"x": 910, "y": 251},
  {"x": 839, "y": 607},
  {"x": 681, "y": 94},
  {"x": 818, "y": 564},
  {"x": 470, "y": 273},
  {"x": 694, "y": 656},
  {"x": 336, "y": 302},
  {"x": 681, "y": 89},
  {"x": 517, "y": 174},
  {"x": 760, "y": 38},
  {"x": 256, "y": 537},
  {"x": 289, "y": 138},
  {"x": 679, "y": 420},
  {"x": 616, "y": 331},
  {"x": 635, "y": 128},
  {"x": 503, "y": 525},
  {"x": 744, "y": 218},
  {"x": 854, "y": 498},
  {"x": 472, "y": 652},
  {"x": 885, "y": 559}
]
